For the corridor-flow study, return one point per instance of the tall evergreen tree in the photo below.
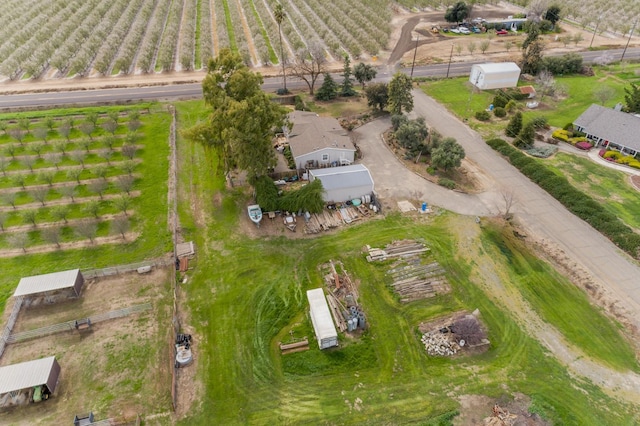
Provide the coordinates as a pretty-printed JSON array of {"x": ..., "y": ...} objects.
[
  {"x": 632, "y": 98},
  {"x": 514, "y": 126},
  {"x": 346, "y": 89},
  {"x": 328, "y": 90}
]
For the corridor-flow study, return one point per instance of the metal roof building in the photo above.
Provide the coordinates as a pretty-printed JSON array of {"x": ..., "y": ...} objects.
[
  {"x": 16, "y": 377},
  {"x": 71, "y": 279},
  {"x": 321, "y": 318},
  {"x": 494, "y": 75},
  {"x": 344, "y": 183}
]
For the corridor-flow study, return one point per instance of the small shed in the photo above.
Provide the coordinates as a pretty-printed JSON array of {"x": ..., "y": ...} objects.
[
  {"x": 343, "y": 183},
  {"x": 17, "y": 381},
  {"x": 321, "y": 318},
  {"x": 70, "y": 282},
  {"x": 495, "y": 75}
]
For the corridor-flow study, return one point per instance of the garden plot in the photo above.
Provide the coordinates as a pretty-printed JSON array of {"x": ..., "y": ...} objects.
[
  {"x": 114, "y": 367},
  {"x": 68, "y": 180}
]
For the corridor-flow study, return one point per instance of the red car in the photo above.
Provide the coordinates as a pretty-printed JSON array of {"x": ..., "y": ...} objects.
[{"x": 502, "y": 32}]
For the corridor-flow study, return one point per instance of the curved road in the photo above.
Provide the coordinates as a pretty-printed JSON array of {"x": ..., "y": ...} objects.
[
  {"x": 194, "y": 90},
  {"x": 540, "y": 214}
]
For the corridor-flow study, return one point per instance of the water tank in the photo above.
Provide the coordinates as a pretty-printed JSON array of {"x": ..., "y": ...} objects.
[{"x": 361, "y": 320}]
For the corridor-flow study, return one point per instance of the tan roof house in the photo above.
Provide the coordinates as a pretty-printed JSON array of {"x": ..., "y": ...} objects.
[{"x": 318, "y": 142}]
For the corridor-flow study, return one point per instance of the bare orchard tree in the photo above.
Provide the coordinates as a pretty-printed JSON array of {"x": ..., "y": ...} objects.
[
  {"x": 310, "y": 63},
  {"x": 98, "y": 186},
  {"x": 20, "y": 241},
  {"x": 87, "y": 228},
  {"x": 40, "y": 193},
  {"x": 69, "y": 191},
  {"x": 120, "y": 225},
  {"x": 125, "y": 183},
  {"x": 52, "y": 235},
  {"x": 10, "y": 198},
  {"x": 53, "y": 158},
  {"x": 122, "y": 203},
  {"x": 546, "y": 84},
  {"x": 3, "y": 219},
  {"x": 536, "y": 9}
]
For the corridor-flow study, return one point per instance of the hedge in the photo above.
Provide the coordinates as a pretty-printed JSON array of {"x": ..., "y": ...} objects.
[{"x": 576, "y": 201}]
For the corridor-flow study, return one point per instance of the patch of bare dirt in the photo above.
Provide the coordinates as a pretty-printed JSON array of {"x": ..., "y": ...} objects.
[
  {"x": 635, "y": 181},
  {"x": 482, "y": 410}
]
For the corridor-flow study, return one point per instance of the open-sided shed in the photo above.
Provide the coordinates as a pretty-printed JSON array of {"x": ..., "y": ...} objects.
[
  {"x": 18, "y": 381},
  {"x": 344, "y": 183},
  {"x": 495, "y": 75},
  {"x": 56, "y": 282},
  {"x": 321, "y": 318}
]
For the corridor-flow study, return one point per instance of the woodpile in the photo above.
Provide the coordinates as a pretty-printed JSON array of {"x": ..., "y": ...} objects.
[
  {"x": 333, "y": 218},
  {"x": 417, "y": 281},
  {"x": 342, "y": 297},
  {"x": 290, "y": 348},
  {"x": 402, "y": 248}
]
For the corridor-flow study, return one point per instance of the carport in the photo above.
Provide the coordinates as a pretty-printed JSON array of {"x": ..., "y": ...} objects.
[
  {"x": 18, "y": 381},
  {"x": 70, "y": 281}
]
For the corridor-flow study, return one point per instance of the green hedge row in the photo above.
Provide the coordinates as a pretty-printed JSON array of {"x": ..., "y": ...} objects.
[{"x": 579, "y": 203}]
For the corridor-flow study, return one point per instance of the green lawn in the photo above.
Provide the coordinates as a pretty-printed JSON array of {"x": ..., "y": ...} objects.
[
  {"x": 247, "y": 293},
  {"x": 457, "y": 96},
  {"x": 608, "y": 186}
]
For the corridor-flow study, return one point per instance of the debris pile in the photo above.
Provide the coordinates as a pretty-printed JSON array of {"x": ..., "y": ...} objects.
[
  {"x": 183, "y": 350},
  {"x": 439, "y": 344},
  {"x": 343, "y": 298},
  {"x": 289, "y": 348}
]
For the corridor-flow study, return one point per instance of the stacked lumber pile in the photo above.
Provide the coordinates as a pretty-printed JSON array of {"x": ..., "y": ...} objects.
[
  {"x": 417, "y": 281},
  {"x": 402, "y": 248},
  {"x": 290, "y": 348},
  {"x": 329, "y": 219}
]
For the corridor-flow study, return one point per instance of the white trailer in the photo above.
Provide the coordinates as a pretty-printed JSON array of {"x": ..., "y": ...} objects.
[
  {"x": 321, "y": 318},
  {"x": 495, "y": 75}
]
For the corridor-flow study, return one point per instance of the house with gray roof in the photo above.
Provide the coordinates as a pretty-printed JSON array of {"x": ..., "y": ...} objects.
[
  {"x": 611, "y": 129},
  {"x": 318, "y": 142}
]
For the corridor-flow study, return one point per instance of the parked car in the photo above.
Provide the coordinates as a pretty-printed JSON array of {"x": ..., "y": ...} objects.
[
  {"x": 478, "y": 20},
  {"x": 455, "y": 30},
  {"x": 464, "y": 30},
  {"x": 476, "y": 30},
  {"x": 502, "y": 32}
]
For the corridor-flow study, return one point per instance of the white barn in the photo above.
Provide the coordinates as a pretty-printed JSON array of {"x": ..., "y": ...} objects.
[
  {"x": 319, "y": 141},
  {"x": 343, "y": 183},
  {"x": 495, "y": 75},
  {"x": 321, "y": 318}
]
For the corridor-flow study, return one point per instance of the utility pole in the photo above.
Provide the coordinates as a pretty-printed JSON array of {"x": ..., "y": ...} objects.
[
  {"x": 413, "y": 64},
  {"x": 450, "y": 56},
  {"x": 628, "y": 41}
]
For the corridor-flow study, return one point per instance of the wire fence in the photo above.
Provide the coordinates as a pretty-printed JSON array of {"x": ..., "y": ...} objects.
[
  {"x": 17, "y": 304},
  {"x": 123, "y": 269},
  {"x": 71, "y": 325}
]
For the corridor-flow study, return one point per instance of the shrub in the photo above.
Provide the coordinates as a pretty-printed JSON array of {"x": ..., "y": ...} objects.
[
  {"x": 574, "y": 141},
  {"x": 571, "y": 63},
  {"x": 625, "y": 159},
  {"x": 515, "y": 94},
  {"x": 447, "y": 183},
  {"x": 483, "y": 116},
  {"x": 299, "y": 103},
  {"x": 514, "y": 126},
  {"x": 511, "y": 105},
  {"x": 584, "y": 146},
  {"x": 500, "y": 100},
  {"x": 499, "y": 112},
  {"x": 612, "y": 154},
  {"x": 568, "y": 127},
  {"x": 540, "y": 122},
  {"x": 635, "y": 164},
  {"x": 602, "y": 152},
  {"x": 562, "y": 135}
]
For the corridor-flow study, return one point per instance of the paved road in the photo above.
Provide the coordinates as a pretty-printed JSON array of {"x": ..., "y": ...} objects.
[
  {"x": 194, "y": 90},
  {"x": 540, "y": 213}
]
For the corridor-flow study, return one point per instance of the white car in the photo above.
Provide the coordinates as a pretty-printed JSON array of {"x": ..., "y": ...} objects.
[
  {"x": 478, "y": 20},
  {"x": 455, "y": 30},
  {"x": 464, "y": 30}
]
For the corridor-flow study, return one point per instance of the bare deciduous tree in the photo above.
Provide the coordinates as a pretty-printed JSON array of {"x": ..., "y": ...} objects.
[
  {"x": 69, "y": 191},
  {"x": 79, "y": 156},
  {"x": 87, "y": 128},
  {"x": 40, "y": 194},
  {"x": 3, "y": 219},
  {"x": 604, "y": 94},
  {"x": 74, "y": 174},
  {"x": 120, "y": 225},
  {"x": 28, "y": 162},
  {"x": 98, "y": 186},
  {"x": 125, "y": 183},
  {"x": 41, "y": 133},
  {"x": 20, "y": 241},
  {"x": 92, "y": 208},
  {"x": 53, "y": 158},
  {"x": 60, "y": 213},
  {"x": 468, "y": 329},
  {"x": 310, "y": 63},
  {"x": 52, "y": 235},
  {"x": 129, "y": 151},
  {"x": 87, "y": 229},
  {"x": 508, "y": 201},
  {"x": 122, "y": 203},
  {"x": 30, "y": 216},
  {"x": 10, "y": 198}
]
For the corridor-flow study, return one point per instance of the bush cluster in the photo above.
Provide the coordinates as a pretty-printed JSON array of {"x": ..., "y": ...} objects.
[
  {"x": 447, "y": 183},
  {"x": 570, "y": 137},
  {"x": 618, "y": 157},
  {"x": 571, "y": 63},
  {"x": 499, "y": 112},
  {"x": 483, "y": 115},
  {"x": 579, "y": 203}
]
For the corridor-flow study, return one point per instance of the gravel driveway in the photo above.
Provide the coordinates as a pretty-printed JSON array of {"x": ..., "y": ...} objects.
[{"x": 538, "y": 212}]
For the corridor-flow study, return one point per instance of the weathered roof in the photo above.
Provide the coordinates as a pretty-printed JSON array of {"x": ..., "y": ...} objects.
[
  {"x": 311, "y": 132},
  {"x": 498, "y": 67},
  {"x": 527, "y": 90},
  {"x": 28, "y": 374},
  {"x": 615, "y": 126},
  {"x": 322, "y": 321},
  {"x": 46, "y": 282},
  {"x": 341, "y": 177}
]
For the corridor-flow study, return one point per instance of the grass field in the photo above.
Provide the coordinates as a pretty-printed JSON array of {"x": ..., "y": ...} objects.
[
  {"x": 150, "y": 207},
  {"x": 610, "y": 187},
  {"x": 247, "y": 294},
  {"x": 457, "y": 96}
]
